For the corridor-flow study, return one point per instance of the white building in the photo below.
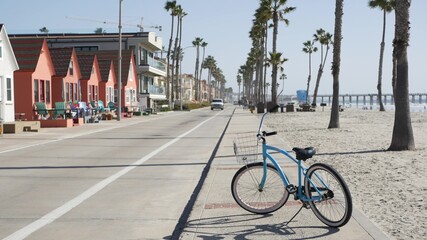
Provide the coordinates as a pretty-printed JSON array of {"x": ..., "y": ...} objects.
[{"x": 8, "y": 65}]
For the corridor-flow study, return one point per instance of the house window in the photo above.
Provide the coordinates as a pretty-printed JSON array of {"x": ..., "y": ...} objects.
[
  {"x": 110, "y": 94},
  {"x": 36, "y": 90},
  {"x": 67, "y": 92},
  {"x": 47, "y": 91},
  {"x": 116, "y": 95},
  {"x": 75, "y": 92},
  {"x": 127, "y": 96},
  {"x": 90, "y": 93},
  {"x": 96, "y": 93},
  {"x": 133, "y": 95},
  {"x": 1, "y": 51},
  {"x": 71, "y": 68},
  {"x": 9, "y": 89}
]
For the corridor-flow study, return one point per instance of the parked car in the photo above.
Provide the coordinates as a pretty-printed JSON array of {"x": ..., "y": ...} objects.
[{"x": 217, "y": 103}]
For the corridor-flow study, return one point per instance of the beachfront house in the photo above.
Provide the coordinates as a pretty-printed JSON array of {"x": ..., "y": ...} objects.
[
  {"x": 33, "y": 80},
  {"x": 65, "y": 83},
  {"x": 129, "y": 78},
  {"x": 90, "y": 77},
  {"x": 108, "y": 82},
  {"x": 8, "y": 64},
  {"x": 147, "y": 50}
]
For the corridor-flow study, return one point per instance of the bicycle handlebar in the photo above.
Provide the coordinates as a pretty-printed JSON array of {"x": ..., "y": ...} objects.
[{"x": 273, "y": 109}]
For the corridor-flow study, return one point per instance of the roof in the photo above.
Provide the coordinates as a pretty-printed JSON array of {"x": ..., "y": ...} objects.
[
  {"x": 113, "y": 55},
  {"x": 86, "y": 64},
  {"x": 104, "y": 68},
  {"x": 61, "y": 58},
  {"x": 27, "y": 52}
]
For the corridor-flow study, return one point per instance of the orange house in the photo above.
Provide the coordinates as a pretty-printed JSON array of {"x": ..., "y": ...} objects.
[
  {"x": 33, "y": 81},
  {"x": 90, "y": 77},
  {"x": 108, "y": 81},
  {"x": 65, "y": 84},
  {"x": 129, "y": 77}
]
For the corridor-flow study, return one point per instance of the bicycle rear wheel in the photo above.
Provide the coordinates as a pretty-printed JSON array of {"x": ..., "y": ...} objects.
[
  {"x": 247, "y": 193},
  {"x": 335, "y": 207}
]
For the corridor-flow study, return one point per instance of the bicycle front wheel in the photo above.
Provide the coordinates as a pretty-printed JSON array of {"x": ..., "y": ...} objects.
[
  {"x": 334, "y": 206},
  {"x": 246, "y": 190}
]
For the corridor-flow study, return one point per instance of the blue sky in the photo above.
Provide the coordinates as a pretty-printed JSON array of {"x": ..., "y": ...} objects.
[{"x": 224, "y": 25}]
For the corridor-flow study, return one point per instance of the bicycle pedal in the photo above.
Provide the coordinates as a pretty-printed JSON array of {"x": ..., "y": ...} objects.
[{"x": 291, "y": 189}]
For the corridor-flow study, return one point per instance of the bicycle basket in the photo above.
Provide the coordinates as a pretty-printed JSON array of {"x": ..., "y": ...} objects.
[{"x": 247, "y": 148}]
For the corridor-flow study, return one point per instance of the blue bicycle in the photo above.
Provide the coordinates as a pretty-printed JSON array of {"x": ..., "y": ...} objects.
[{"x": 261, "y": 187}]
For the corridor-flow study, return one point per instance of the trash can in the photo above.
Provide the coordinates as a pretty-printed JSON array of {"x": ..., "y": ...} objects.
[
  {"x": 290, "y": 107},
  {"x": 260, "y": 107}
]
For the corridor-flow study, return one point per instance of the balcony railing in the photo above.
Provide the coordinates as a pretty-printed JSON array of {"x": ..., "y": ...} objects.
[
  {"x": 155, "y": 64},
  {"x": 157, "y": 90}
]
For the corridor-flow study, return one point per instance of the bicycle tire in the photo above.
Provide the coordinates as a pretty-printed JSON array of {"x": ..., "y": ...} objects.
[
  {"x": 245, "y": 189},
  {"x": 334, "y": 211}
]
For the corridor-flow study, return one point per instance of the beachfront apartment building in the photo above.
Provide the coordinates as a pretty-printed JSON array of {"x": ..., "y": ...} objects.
[
  {"x": 146, "y": 46},
  {"x": 8, "y": 65}
]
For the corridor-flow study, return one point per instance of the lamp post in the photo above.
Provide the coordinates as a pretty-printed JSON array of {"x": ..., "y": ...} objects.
[{"x": 119, "y": 84}]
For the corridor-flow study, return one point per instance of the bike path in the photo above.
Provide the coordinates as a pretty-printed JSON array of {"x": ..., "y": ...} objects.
[{"x": 215, "y": 214}]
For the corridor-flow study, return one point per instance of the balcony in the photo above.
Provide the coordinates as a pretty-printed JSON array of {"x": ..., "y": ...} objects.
[
  {"x": 155, "y": 92},
  {"x": 153, "y": 67}
]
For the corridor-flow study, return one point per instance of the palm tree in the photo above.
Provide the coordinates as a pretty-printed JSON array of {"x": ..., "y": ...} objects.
[
  {"x": 180, "y": 14},
  {"x": 210, "y": 64},
  {"x": 196, "y": 43},
  {"x": 325, "y": 39},
  {"x": 335, "y": 121},
  {"x": 403, "y": 136},
  {"x": 170, "y": 6},
  {"x": 239, "y": 82},
  {"x": 277, "y": 60},
  {"x": 309, "y": 48},
  {"x": 386, "y": 6},
  {"x": 278, "y": 15},
  {"x": 203, "y": 45}
]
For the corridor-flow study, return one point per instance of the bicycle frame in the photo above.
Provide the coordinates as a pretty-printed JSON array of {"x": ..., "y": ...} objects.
[{"x": 302, "y": 169}]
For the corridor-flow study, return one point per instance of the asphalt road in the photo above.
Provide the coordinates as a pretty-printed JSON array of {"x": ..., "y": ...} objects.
[{"x": 119, "y": 181}]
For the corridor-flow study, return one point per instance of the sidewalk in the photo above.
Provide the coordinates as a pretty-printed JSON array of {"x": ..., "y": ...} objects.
[{"x": 215, "y": 214}]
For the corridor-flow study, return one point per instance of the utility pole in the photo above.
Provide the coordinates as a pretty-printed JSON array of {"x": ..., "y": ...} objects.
[{"x": 119, "y": 84}]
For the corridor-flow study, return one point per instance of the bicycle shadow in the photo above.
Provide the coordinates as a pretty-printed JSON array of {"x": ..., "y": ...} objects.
[{"x": 248, "y": 226}]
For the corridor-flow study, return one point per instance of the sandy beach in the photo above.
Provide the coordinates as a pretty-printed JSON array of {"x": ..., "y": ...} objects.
[{"x": 388, "y": 187}]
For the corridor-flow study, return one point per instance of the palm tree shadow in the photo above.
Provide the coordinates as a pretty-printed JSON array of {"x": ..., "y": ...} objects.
[{"x": 244, "y": 226}]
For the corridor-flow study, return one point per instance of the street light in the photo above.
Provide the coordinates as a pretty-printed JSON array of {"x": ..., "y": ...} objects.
[{"x": 119, "y": 85}]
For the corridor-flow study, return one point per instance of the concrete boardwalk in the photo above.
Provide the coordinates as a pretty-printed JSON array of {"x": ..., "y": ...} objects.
[{"x": 215, "y": 214}]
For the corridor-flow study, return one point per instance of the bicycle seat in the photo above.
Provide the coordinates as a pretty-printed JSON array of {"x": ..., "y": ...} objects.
[{"x": 304, "y": 153}]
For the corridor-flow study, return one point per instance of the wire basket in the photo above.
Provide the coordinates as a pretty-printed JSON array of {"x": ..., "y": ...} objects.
[{"x": 247, "y": 148}]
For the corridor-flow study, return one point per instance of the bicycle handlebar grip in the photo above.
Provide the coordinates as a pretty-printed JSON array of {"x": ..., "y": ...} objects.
[{"x": 270, "y": 133}]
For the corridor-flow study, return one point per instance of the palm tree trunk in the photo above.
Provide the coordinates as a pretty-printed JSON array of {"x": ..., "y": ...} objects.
[
  {"x": 196, "y": 75},
  {"x": 201, "y": 68},
  {"x": 274, "y": 67},
  {"x": 403, "y": 137},
  {"x": 319, "y": 76},
  {"x": 168, "y": 75},
  {"x": 309, "y": 78},
  {"x": 380, "y": 68},
  {"x": 334, "y": 121}
]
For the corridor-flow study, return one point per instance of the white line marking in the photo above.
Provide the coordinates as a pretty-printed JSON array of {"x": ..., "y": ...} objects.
[
  {"x": 80, "y": 134},
  {"x": 57, "y": 213}
]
